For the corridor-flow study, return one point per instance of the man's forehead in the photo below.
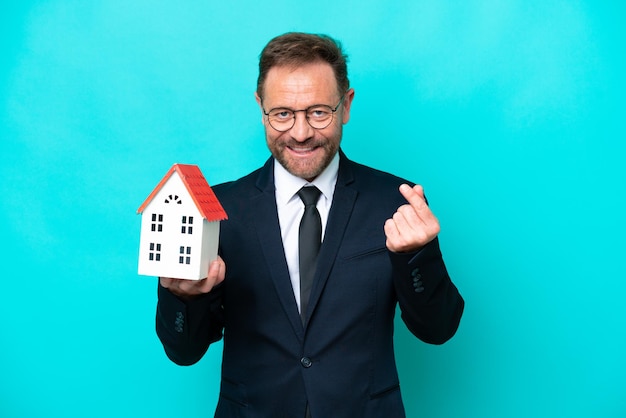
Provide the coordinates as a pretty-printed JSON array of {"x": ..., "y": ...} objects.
[{"x": 316, "y": 80}]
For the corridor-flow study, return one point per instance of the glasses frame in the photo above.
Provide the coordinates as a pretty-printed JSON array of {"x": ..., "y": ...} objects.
[{"x": 306, "y": 116}]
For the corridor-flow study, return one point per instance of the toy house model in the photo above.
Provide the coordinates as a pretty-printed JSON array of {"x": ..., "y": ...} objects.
[{"x": 180, "y": 224}]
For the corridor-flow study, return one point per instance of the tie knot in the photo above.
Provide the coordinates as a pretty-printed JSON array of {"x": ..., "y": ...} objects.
[{"x": 309, "y": 195}]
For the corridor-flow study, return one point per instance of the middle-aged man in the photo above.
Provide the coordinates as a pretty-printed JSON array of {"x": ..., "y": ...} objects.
[{"x": 323, "y": 347}]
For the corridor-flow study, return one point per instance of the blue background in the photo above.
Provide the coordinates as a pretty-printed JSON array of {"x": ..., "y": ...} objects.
[{"x": 510, "y": 113}]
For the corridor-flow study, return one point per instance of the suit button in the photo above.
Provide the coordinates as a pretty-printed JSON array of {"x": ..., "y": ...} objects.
[
  {"x": 179, "y": 322},
  {"x": 306, "y": 362}
]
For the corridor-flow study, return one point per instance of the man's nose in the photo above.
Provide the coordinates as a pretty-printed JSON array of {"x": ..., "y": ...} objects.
[{"x": 301, "y": 130}]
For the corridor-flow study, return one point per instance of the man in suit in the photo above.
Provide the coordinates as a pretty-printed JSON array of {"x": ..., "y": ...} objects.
[{"x": 326, "y": 352}]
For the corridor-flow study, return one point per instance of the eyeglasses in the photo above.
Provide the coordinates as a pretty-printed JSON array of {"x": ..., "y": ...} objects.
[{"x": 318, "y": 116}]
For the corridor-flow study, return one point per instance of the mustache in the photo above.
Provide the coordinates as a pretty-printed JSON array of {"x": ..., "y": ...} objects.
[{"x": 309, "y": 143}]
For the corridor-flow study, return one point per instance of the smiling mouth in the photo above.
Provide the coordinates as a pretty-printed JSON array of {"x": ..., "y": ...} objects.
[{"x": 302, "y": 150}]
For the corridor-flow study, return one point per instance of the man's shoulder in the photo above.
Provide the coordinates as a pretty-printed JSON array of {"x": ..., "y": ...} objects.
[
  {"x": 237, "y": 187},
  {"x": 369, "y": 177},
  {"x": 245, "y": 186}
]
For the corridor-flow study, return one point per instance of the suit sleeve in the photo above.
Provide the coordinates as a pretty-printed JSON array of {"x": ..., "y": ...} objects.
[
  {"x": 187, "y": 328},
  {"x": 430, "y": 304}
]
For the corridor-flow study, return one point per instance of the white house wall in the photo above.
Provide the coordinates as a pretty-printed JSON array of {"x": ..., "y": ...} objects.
[{"x": 210, "y": 243}]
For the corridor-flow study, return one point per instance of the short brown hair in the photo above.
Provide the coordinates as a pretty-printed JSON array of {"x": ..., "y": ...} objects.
[{"x": 297, "y": 48}]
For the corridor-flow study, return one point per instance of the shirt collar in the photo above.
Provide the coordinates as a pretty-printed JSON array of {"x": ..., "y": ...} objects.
[{"x": 287, "y": 185}]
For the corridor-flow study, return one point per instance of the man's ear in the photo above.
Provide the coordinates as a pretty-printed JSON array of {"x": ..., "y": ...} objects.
[
  {"x": 347, "y": 103},
  {"x": 258, "y": 101}
]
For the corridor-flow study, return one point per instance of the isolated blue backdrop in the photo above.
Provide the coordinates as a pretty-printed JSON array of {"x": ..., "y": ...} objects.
[{"x": 510, "y": 113}]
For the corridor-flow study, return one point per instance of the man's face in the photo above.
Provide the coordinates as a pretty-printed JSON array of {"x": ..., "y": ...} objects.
[{"x": 304, "y": 151}]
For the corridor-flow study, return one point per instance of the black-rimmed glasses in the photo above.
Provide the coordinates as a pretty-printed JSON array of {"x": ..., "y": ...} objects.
[{"x": 318, "y": 116}]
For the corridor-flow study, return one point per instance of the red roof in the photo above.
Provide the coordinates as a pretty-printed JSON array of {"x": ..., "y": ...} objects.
[{"x": 199, "y": 190}]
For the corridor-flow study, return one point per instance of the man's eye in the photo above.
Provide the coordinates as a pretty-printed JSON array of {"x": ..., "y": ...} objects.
[
  {"x": 319, "y": 113},
  {"x": 282, "y": 114}
]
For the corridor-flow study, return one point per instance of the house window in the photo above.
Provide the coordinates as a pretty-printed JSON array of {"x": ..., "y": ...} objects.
[
  {"x": 157, "y": 223},
  {"x": 187, "y": 227},
  {"x": 173, "y": 198},
  {"x": 185, "y": 255},
  {"x": 155, "y": 252}
]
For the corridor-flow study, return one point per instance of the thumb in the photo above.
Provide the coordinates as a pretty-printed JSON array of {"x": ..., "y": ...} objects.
[{"x": 217, "y": 270}]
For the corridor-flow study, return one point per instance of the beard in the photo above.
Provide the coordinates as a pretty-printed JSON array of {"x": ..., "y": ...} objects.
[{"x": 309, "y": 167}]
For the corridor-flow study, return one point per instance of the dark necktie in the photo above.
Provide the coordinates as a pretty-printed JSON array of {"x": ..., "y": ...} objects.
[{"x": 309, "y": 241}]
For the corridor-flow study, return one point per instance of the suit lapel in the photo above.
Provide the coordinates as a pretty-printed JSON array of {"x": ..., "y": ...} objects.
[{"x": 268, "y": 233}]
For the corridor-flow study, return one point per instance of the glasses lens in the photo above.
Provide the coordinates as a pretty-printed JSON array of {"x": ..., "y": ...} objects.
[
  {"x": 281, "y": 119},
  {"x": 319, "y": 117}
]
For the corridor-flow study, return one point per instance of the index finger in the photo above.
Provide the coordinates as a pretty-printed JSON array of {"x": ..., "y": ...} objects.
[{"x": 414, "y": 195}]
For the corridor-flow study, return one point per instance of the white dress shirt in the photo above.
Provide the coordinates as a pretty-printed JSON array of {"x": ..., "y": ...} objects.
[{"x": 291, "y": 208}]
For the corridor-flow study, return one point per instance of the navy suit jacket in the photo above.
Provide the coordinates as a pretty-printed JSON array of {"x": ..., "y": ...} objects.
[{"x": 341, "y": 361}]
